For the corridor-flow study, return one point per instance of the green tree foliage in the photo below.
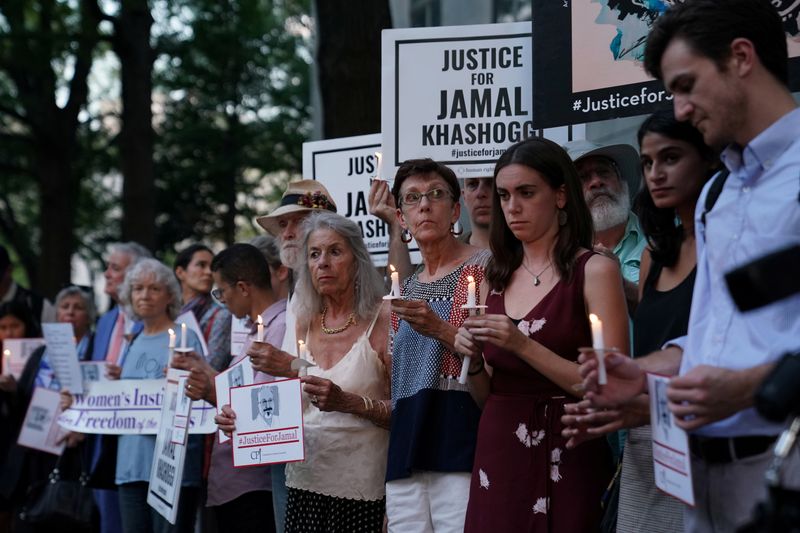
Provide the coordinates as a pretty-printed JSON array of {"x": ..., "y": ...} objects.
[{"x": 234, "y": 93}]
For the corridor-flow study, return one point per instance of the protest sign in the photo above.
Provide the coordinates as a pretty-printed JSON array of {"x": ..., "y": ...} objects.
[
  {"x": 460, "y": 95},
  {"x": 169, "y": 456},
  {"x": 128, "y": 407},
  {"x": 589, "y": 54},
  {"x": 269, "y": 423},
  {"x": 346, "y": 167},
  {"x": 671, "y": 460},
  {"x": 237, "y": 375},
  {"x": 39, "y": 429},
  {"x": 16, "y": 353},
  {"x": 93, "y": 371},
  {"x": 63, "y": 355},
  {"x": 239, "y": 333}
]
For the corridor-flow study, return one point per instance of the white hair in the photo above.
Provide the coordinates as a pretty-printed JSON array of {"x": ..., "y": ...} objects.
[{"x": 161, "y": 274}]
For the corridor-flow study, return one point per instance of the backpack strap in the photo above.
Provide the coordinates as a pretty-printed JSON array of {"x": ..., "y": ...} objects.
[{"x": 714, "y": 192}]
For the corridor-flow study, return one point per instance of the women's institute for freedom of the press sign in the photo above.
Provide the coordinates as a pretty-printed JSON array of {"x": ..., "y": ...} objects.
[{"x": 128, "y": 406}]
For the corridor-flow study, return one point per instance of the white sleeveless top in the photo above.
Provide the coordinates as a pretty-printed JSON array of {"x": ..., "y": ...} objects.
[{"x": 345, "y": 454}]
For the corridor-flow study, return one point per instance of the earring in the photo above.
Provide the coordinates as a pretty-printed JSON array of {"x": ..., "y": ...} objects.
[
  {"x": 562, "y": 217},
  {"x": 456, "y": 229},
  {"x": 405, "y": 236}
]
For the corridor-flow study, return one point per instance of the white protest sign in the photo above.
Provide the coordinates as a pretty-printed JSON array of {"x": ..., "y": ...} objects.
[
  {"x": 128, "y": 407},
  {"x": 183, "y": 409},
  {"x": 671, "y": 458},
  {"x": 269, "y": 423},
  {"x": 346, "y": 167},
  {"x": 239, "y": 333},
  {"x": 164, "y": 490},
  {"x": 460, "y": 95},
  {"x": 63, "y": 355},
  {"x": 16, "y": 353},
  {"x": 237, "y": 375},
  {"x": 39, "y": 429},
  {"x": 93, "y": 371},
  {"x": 191, "y": 323}
]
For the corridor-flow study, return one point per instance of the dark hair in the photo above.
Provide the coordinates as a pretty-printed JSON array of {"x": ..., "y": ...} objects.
[
  {"x": 416, "y": 167},
  {"x": 24, "y": 314},
  {"x": 658, "y": 224},
  {"x": 186, "y": 255},
  {"x": 709, "y": 27},
  {"x": 553, "y": 163},
  {"x": 242, "y": 262}
]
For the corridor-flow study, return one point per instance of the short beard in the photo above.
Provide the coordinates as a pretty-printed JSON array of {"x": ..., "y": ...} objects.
[
  {"x": 610, "y": 212},
  {"x": 289, "y": 256}
]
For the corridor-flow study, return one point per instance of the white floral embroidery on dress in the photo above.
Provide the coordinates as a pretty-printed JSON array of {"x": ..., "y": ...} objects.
[
  {"x": 541, "y": 505},
  {"x": 533, "y": 438},
  {"x": 531, "y": 326},
  {"x": 484, "y": 479},
  {"x": 555, "y": 461}
]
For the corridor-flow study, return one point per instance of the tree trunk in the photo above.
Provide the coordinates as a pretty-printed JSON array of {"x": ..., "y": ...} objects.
[
  {"x": 349, "y": 62},
  {"x": 132, "y": 45}
]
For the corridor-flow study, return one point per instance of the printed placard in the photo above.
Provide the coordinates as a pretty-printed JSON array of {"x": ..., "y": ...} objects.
[
  {"x": 239, "y": 333},
  {"x": 93, "y": 371},
  {"x": 460, "y": 95},
  {"x": 169, "y": 457},
  {"x": 237, "y": 375},
  {"x": 346, "y": 167},
  {"x": 183, "y": 409},
  {"x": 671, "y": 459},
  {"x": 269, "y": 423},
  {"x": 40, "y": 429},
  {"x": 128, "y": 407},
  {"x": 16, "y": 353},
  {"x": 63, "y": 355}
]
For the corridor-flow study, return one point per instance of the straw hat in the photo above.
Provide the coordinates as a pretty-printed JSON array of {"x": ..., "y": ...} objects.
[
  {"x": 300, "y": 196},
  {"x": 624, "y": 156}
]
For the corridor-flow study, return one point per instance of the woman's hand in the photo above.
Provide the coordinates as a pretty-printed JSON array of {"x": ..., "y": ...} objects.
[
  {"x": 381, "y": 202},
  {"x": 8, "y": 384},
  {"x": 71, "y": 439},
  {"x": 498, "y": 330},
  {"x": 270, "y": 360},
  {"x": 226, "y": 420},
  {"x": 65, "y": 399},
  {"x": 113, "y": 371},
  {"x": 466, "y": 344},
  {"x": 422, "y": 318},
  {"x": 324, "y": 393},
  {"x": 585, "y": 423},
  {"x": 186, "y": 361}
]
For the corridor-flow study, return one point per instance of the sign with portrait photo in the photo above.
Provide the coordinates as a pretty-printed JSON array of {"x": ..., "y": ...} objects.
[
  {"x": 269, "y": 423},
  {"x": 40, "y": 429}
]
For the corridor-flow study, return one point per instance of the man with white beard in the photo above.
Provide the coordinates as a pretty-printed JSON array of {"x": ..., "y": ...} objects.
[{"x": 610, "y": 176}]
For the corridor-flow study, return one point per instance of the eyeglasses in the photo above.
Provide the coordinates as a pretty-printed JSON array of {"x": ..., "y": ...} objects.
[{"x": 414, "y": 197}]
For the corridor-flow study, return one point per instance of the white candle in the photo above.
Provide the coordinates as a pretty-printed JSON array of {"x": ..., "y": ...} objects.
[
  {"x": 171, "y": 338},
  {"x": 470, "y": 291},
  {"x": 379, "y": 157},
  {"x": 395, "y": 282},
  {"x": 597, "y": 344},
  {"x": 302, "y": 354},
  {"x": 6, "y": 360},
  {"x": 183, "y": 335},
  {"x": 260, "y": 329}
]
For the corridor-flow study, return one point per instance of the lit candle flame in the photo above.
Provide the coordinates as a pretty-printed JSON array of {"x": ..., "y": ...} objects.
[
  {"x": 470, "y": 279},
  {"x": 260, "y": 320},
  {"x": 593, "y": 318}
]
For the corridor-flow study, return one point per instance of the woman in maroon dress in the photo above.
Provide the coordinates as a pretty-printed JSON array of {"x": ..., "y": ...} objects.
[{"x": 545, "y": 282}]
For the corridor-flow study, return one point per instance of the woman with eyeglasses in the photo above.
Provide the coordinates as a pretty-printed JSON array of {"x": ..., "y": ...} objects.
[
  {"x": 435, "y": 419},
  {"x": 192, "y": 267}
]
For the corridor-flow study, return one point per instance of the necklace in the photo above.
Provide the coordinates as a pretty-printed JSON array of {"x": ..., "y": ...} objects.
[
  {"x": 536, "y": 280},
  {"x": 331, "y": 331}
]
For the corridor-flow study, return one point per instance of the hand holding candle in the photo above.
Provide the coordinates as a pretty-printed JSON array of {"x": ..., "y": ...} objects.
[{"x": 597, "y": 344}]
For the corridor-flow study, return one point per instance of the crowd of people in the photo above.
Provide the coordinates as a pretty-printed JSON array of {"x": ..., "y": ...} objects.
[{"x": 444, "y": 409}]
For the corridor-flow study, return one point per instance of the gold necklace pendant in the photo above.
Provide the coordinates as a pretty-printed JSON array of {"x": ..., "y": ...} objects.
[{"x": 332, "y": 331}]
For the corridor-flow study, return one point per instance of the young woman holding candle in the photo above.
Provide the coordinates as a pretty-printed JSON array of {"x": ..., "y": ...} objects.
[
  {"x": 544, "y": 283},
  {"x": 435, "y": 419}
]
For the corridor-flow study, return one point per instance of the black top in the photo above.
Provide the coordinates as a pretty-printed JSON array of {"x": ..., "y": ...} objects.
[{"x": 661, "y": 315}]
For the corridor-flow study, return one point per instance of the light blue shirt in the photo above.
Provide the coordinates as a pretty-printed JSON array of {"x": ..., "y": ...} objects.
[
  {"x": 146, "y": 358},
  {"x": 756, "y": 213}
]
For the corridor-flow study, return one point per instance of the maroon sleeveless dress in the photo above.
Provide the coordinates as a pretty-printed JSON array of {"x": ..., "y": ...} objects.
[{"x": 524, "y": 478}]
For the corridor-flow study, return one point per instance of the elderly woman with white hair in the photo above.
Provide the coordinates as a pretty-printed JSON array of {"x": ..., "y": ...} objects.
[
  {"x": 151, "y": 295},
  {"x": 346, "y": 407}
]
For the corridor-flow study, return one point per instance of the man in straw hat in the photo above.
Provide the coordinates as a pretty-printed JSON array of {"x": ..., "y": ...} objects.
[
  {"x": 610, "y": 176},
  {"x": 300, "y": 199}
]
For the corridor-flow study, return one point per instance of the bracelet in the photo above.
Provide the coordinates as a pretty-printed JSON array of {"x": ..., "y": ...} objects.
[{"x": 478, "y": 370}]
